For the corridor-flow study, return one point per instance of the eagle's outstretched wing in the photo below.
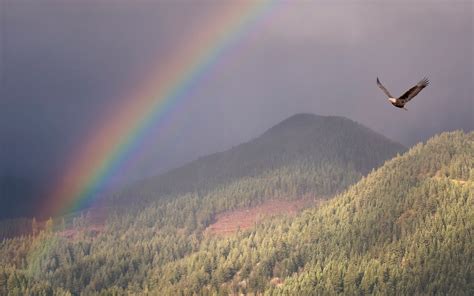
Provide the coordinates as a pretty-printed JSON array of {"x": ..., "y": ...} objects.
[
  {"x": 383, "y": 88},
  {"x": 412, "y": 92}
]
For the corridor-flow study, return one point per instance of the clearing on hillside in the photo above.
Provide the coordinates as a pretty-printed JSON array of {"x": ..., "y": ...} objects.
[{"x": 230, "y": 222}]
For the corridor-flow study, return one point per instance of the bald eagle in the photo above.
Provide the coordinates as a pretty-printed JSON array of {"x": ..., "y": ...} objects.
[{"x": 407, "y": 96}]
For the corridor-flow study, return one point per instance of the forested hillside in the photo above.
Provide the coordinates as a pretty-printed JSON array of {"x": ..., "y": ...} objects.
[{"x": 406, "y": 228}]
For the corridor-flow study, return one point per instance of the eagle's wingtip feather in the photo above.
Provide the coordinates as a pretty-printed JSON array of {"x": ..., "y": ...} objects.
[{"x": 425, "y": 81}]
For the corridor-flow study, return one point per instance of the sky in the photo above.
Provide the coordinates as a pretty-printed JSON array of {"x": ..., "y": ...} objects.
[{"x": 64, "y": 64}]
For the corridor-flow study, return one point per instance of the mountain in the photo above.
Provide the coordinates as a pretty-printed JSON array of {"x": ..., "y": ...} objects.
[
  {"x": 332, "y": 148},
  {"x": 406, "y": 228},
  {"x": 306, "y": 140}
]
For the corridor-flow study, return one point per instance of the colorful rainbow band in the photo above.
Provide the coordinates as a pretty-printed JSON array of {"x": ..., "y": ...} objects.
[{"x": 127, "y": 125}]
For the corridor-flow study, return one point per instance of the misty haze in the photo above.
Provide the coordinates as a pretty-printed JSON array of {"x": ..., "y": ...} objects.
[{"x": 241, "y": 147}]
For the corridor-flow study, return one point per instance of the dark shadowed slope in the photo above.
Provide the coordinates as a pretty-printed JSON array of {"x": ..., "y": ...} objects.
[{"x": 301, "y": 139}]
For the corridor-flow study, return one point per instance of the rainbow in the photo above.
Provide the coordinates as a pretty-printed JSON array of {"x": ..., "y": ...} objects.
[{"x": 127, "y": 124}]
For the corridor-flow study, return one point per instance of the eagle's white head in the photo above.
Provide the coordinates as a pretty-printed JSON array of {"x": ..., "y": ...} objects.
[{"x": 392, "y": 100}]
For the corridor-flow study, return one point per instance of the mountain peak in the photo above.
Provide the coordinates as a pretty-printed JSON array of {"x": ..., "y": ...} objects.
[
  {"x": 299, "y": 119},
  {"x": 308, "y": 121}
]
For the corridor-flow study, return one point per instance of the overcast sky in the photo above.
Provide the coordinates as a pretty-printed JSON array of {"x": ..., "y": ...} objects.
[{"x": 64, "y": 63}]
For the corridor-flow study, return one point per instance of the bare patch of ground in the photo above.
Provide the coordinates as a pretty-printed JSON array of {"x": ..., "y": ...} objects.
[{"x": 230, "y": 222}]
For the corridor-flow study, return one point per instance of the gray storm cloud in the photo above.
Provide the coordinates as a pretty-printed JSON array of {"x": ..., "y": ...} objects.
[{"x": 66, "y": 63}]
